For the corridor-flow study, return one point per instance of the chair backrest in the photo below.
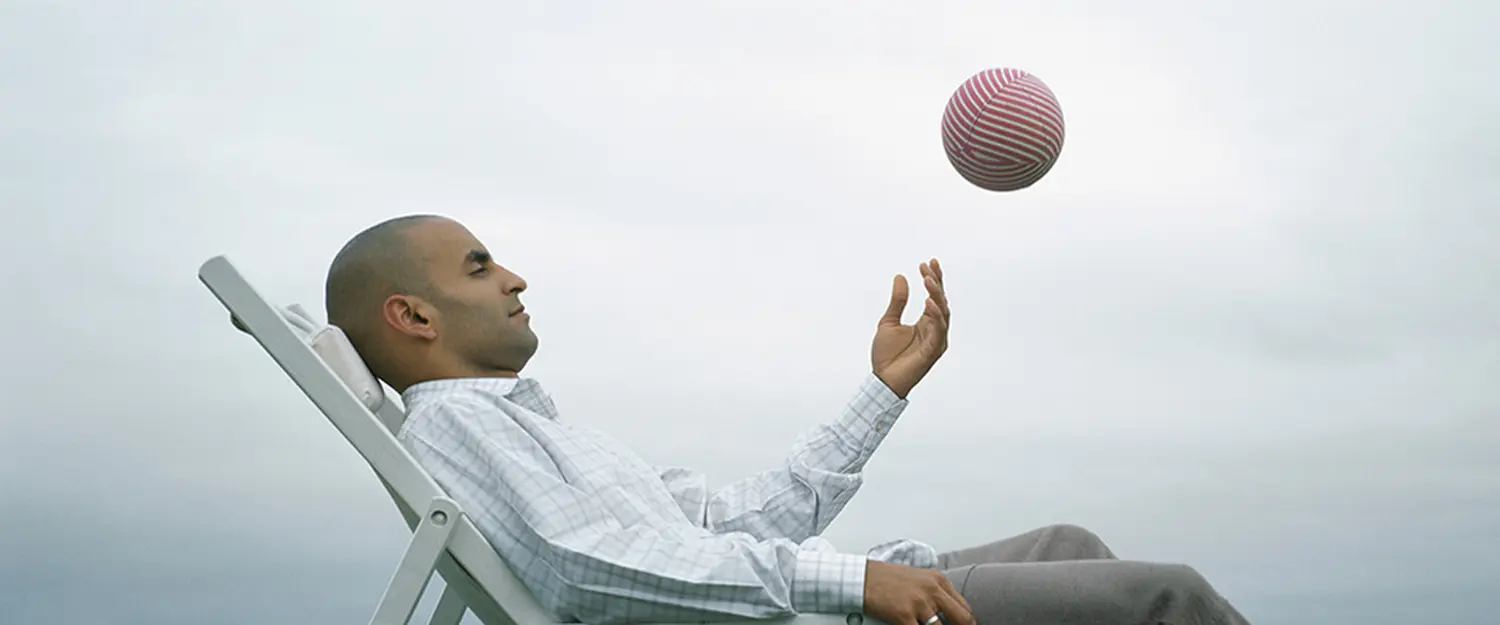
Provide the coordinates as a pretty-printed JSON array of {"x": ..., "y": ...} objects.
[
  {"x": 331, "y": 345},
  {"x": 320, "y": 360}
]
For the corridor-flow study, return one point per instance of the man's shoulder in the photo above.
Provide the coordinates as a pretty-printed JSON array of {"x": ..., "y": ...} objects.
[{"x": 442, "y": 411}]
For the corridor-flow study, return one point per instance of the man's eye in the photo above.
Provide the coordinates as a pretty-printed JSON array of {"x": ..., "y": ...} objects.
[{"x": 479, "y": 271}]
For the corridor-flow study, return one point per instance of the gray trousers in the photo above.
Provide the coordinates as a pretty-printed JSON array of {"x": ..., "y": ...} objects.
[{"x": 1066, "y": 575}]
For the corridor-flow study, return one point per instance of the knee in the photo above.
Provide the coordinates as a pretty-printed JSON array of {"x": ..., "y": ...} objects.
[
  {"x": 1073, "y": 533},
  {"x": 1180, "y": 579},
  {"x": 1155, "y": 593},
  {"x": 1086, "y": 542}
]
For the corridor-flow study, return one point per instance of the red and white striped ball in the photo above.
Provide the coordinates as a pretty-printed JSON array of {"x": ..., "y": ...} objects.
[{"x": 1003, "y": 129}]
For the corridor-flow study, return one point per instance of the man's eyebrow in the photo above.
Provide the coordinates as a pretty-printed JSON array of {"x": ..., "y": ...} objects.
[{"x": 477, "y": 256}]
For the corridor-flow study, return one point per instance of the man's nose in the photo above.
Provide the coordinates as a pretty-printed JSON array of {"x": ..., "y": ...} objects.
[{"x": 514, "y": 284}]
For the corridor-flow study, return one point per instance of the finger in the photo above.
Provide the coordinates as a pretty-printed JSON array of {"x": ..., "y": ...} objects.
[
  {"x": 934, "y": 311},
  {"x": 953, "y": 608},
  {"x": 932, "y": 332},
  {"x": 933, "y": 319},
  {"x": 937, "y": 309},
  {"x": 935, "y": 290},
  {"x": 937, "y": 270},
  {"x": 898, "y": 301},
  {"x": 958, "y": 596},
  {"x": 919, "y": 610}
]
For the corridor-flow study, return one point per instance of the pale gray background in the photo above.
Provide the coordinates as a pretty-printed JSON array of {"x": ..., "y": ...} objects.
[{"x": 1249, "y": 322}]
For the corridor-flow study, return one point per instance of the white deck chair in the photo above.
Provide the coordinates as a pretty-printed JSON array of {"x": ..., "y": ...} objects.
[{"x": 320, "y": 360}]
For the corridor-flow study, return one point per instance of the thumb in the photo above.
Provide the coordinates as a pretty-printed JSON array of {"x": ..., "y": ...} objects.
[{"x": 898, "y": 302}]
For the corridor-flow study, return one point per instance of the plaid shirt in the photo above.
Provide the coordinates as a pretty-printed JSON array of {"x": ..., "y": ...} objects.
[{"x": 600, "y": 536}]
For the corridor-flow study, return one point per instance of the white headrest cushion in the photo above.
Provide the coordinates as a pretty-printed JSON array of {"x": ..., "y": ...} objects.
[{"x": 333, "y": 346}]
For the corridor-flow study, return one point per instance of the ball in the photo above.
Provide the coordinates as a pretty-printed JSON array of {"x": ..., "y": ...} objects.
[{"x": 1003, "y": 129}]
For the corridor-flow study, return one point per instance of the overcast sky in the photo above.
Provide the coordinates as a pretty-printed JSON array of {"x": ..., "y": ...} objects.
[{"x": 1250, "y": 321}]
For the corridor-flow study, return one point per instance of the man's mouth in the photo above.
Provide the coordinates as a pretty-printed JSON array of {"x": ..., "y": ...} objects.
[{"x": 517, "y": 311}]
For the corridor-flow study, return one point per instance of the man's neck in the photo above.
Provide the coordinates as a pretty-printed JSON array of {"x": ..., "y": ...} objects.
[{"x": 455, "y": 373}]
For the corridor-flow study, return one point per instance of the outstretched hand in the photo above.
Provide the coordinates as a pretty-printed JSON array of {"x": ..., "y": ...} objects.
[{"x": 903, "y": 354}]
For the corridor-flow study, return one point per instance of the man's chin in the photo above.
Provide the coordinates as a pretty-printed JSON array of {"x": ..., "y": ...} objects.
[{"x": 521, "y": 353}]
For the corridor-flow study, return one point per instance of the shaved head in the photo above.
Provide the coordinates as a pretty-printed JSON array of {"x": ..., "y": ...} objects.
[
  {"x": 421, "y": 298},
  {"x": 377, "y": 263}
]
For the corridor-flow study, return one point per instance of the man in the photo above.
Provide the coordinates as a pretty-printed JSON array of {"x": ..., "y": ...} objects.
[{"x": 599, "y": 535}]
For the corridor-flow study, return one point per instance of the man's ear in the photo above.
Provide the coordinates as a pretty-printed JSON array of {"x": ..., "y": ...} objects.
[{"x": 411, "y": 316}]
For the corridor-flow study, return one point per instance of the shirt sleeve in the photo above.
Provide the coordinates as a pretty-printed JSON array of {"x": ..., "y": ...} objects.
[
  {"x": 583, "y": 564},
  {"x": 800, "y": 498}
]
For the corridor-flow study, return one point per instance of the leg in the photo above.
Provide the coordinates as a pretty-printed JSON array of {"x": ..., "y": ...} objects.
[
  {"x": 1091, "y": 592},
  {"x": 1047, "y": 544}
]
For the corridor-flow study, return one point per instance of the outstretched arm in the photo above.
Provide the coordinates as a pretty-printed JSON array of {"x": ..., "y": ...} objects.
[
  {"x": 582, "y": 563},
  {"x": 823, "y": 471},
  {"x": 801, "y": 497}
]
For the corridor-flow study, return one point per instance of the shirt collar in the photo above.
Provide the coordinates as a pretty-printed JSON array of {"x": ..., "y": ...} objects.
[{"x": 522, "y": 391}]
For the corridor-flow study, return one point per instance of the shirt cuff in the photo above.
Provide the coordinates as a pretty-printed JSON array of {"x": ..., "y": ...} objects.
[
  {"x": 875, "y": 390},
  {"x": 871, "y": 414},
  {"x": 829, "y": 583}
]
